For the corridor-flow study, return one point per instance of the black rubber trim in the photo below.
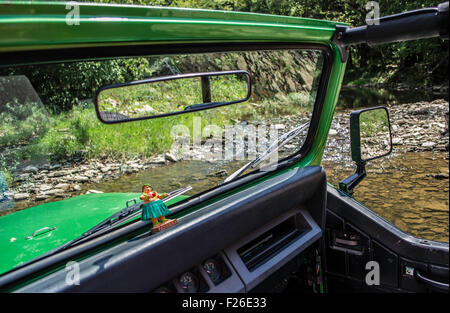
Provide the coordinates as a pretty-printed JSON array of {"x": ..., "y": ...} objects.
[
  {"x": 433, "y": 284},
  {"x": 48, "y": 56},
  {"x": 376, "y": 227},
  {"x": 143, "y": 263}
]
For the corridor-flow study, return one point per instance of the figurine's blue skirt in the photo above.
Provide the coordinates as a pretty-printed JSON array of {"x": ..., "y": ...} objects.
[{"x": 154, "y": 209}]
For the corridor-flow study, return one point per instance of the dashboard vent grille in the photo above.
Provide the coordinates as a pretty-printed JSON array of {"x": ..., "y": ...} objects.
[{"x": 261, "y": 249}]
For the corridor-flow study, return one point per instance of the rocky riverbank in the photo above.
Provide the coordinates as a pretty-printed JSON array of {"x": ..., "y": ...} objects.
[
  {"x": 420, "y": 126},
  {"x": 415, "y": 127},
  {"x": 62, "y": 180}
]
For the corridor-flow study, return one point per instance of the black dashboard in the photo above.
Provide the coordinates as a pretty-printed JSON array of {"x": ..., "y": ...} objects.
[{"x": 230, "y": 245}]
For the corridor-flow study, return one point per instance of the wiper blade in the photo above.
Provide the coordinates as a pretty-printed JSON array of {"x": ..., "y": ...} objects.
[
  {"x": 118, "y": 218},
  {"x": 202, "y": 106},
  {"x": 274, "y": 146},
  {"x": 126, "y": 215},
  {"x": 129, "y": 213}
]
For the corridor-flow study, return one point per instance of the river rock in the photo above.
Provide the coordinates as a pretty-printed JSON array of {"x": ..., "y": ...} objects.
[
  {"x": 97, "y": 178},
  {"x": 170, "y": 157},
  {"x": 41, "y": 197},
  {"x": 104, "y": 169},
  {"x": 428, "y": 144},
  {"x": 127, "y": 169},
  {"x": 53, "y": 192},
  {"x": 45, "y": 187},
  {"x": 80, "y": 179},
  {"x": 158, "y": 160},
  {"x": 77, "y": 188},
  {"x": 22, "y": 177},
  {"x": 63, "y": 186},
  {"x": 59, "y": 173},
  {"x": 21, "y": 196},
  {"x": 30, "y": 169},
  {"x": 136, "y": 166},
  {"x": 93, "y": 191},
  {"x": 441, "y": 176},
  {"x": 55, "y": 167},
  {"x": 44, "y": 167},
  {"x": 90, "y": 174},
  {"x": 333, "y": 132}
]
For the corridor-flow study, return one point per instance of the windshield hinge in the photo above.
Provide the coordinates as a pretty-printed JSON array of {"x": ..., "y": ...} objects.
[{"x": 338, "y": 41}]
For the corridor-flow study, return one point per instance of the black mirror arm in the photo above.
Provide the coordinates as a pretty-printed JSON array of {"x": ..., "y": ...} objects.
[{"x": 348, "y": 184}]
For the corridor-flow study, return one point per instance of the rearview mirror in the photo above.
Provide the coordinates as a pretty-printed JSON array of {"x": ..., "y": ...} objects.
[
  {"x": 370, "y": 138},
  {"x": 170, "y": 95}
]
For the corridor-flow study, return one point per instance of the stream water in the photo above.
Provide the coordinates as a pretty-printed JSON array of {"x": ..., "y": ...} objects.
[
  {"x": 354, "y": 97},
  {"x": 402, "y": 188}
]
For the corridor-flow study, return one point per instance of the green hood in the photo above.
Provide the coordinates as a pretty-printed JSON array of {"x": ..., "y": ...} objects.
[{"x": 71, "y": 217}]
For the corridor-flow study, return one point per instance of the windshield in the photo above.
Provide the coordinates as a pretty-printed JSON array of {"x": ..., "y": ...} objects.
[{"x": 62, "y": 171}]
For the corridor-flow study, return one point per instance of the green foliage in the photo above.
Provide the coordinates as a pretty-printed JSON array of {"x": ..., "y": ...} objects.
[
  {"x": 22, "y": 123},
  {"x": 419, "y": 62},
  {"x": 373, "y": 122},
  {"x": 67, "y": 83}
]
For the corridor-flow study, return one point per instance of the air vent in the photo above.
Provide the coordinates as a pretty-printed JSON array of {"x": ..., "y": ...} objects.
[{"x": 261, "y": 249}]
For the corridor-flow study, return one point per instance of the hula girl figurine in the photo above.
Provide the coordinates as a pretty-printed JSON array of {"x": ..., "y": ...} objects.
[{"x": 154, "y": 209}]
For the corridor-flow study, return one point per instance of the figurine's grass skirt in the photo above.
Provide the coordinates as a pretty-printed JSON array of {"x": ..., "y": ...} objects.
[{"x": 154, "y": 209}]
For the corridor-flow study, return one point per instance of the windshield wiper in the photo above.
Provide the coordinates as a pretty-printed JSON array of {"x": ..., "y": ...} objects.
[
  {"x": 123, "y": 216},
  {"x": 116, "y": 219},
  {"x": 274, "y": 146}
]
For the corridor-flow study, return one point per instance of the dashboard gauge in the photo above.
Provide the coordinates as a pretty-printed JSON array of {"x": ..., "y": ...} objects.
[
  {"x": 189, "y": 282},
  {"x": 212, "y": 267}
]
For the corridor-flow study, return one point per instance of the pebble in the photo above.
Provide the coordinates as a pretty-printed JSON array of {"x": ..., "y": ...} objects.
[
  {"x": 41, "y": 197},
  {"x": 93, "y": 191},
  {"x": 30, "y": 169},
  {"x": 22, "y": 177},
  {"x": 81, "y": 179},
  {"x": 441, "y": 176},
  {"x": 62, "y": 186},
  {"x": 158, "y": 160},
  {"x": 53, "y": 192},
  {"x": 21, "y": 196},
  {"x": 428, "y": 144},
  {"x": 170, "y": 157},
  {"x": 333, "y": 132}
]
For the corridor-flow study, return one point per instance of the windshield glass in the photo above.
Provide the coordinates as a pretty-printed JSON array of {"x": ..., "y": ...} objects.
[{"x": 62, "y": 171}]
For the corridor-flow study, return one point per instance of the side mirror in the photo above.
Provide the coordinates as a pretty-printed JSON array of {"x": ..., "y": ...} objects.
[
  {"x": 370, "y": 138},
  {"x": 171, "y": 95}
]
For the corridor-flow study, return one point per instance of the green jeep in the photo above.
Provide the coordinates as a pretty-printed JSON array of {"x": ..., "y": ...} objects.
[{"x": 226, "y": 115}]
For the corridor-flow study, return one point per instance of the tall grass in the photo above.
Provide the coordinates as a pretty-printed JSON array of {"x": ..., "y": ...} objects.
[
  {"x": 80, "y": 132},
  {"x": 22, "y": 123}
]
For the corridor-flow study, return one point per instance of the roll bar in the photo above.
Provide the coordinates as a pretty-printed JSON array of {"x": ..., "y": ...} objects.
[{"x": 411, "y": 25}]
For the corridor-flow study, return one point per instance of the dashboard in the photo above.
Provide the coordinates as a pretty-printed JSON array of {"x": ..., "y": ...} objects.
[
  {"x": 249, "y": 261},
  {"x": 230, "y": 245}
]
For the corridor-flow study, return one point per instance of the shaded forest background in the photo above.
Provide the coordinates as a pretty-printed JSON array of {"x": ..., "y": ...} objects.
[{"x": 415, "y": 64}]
